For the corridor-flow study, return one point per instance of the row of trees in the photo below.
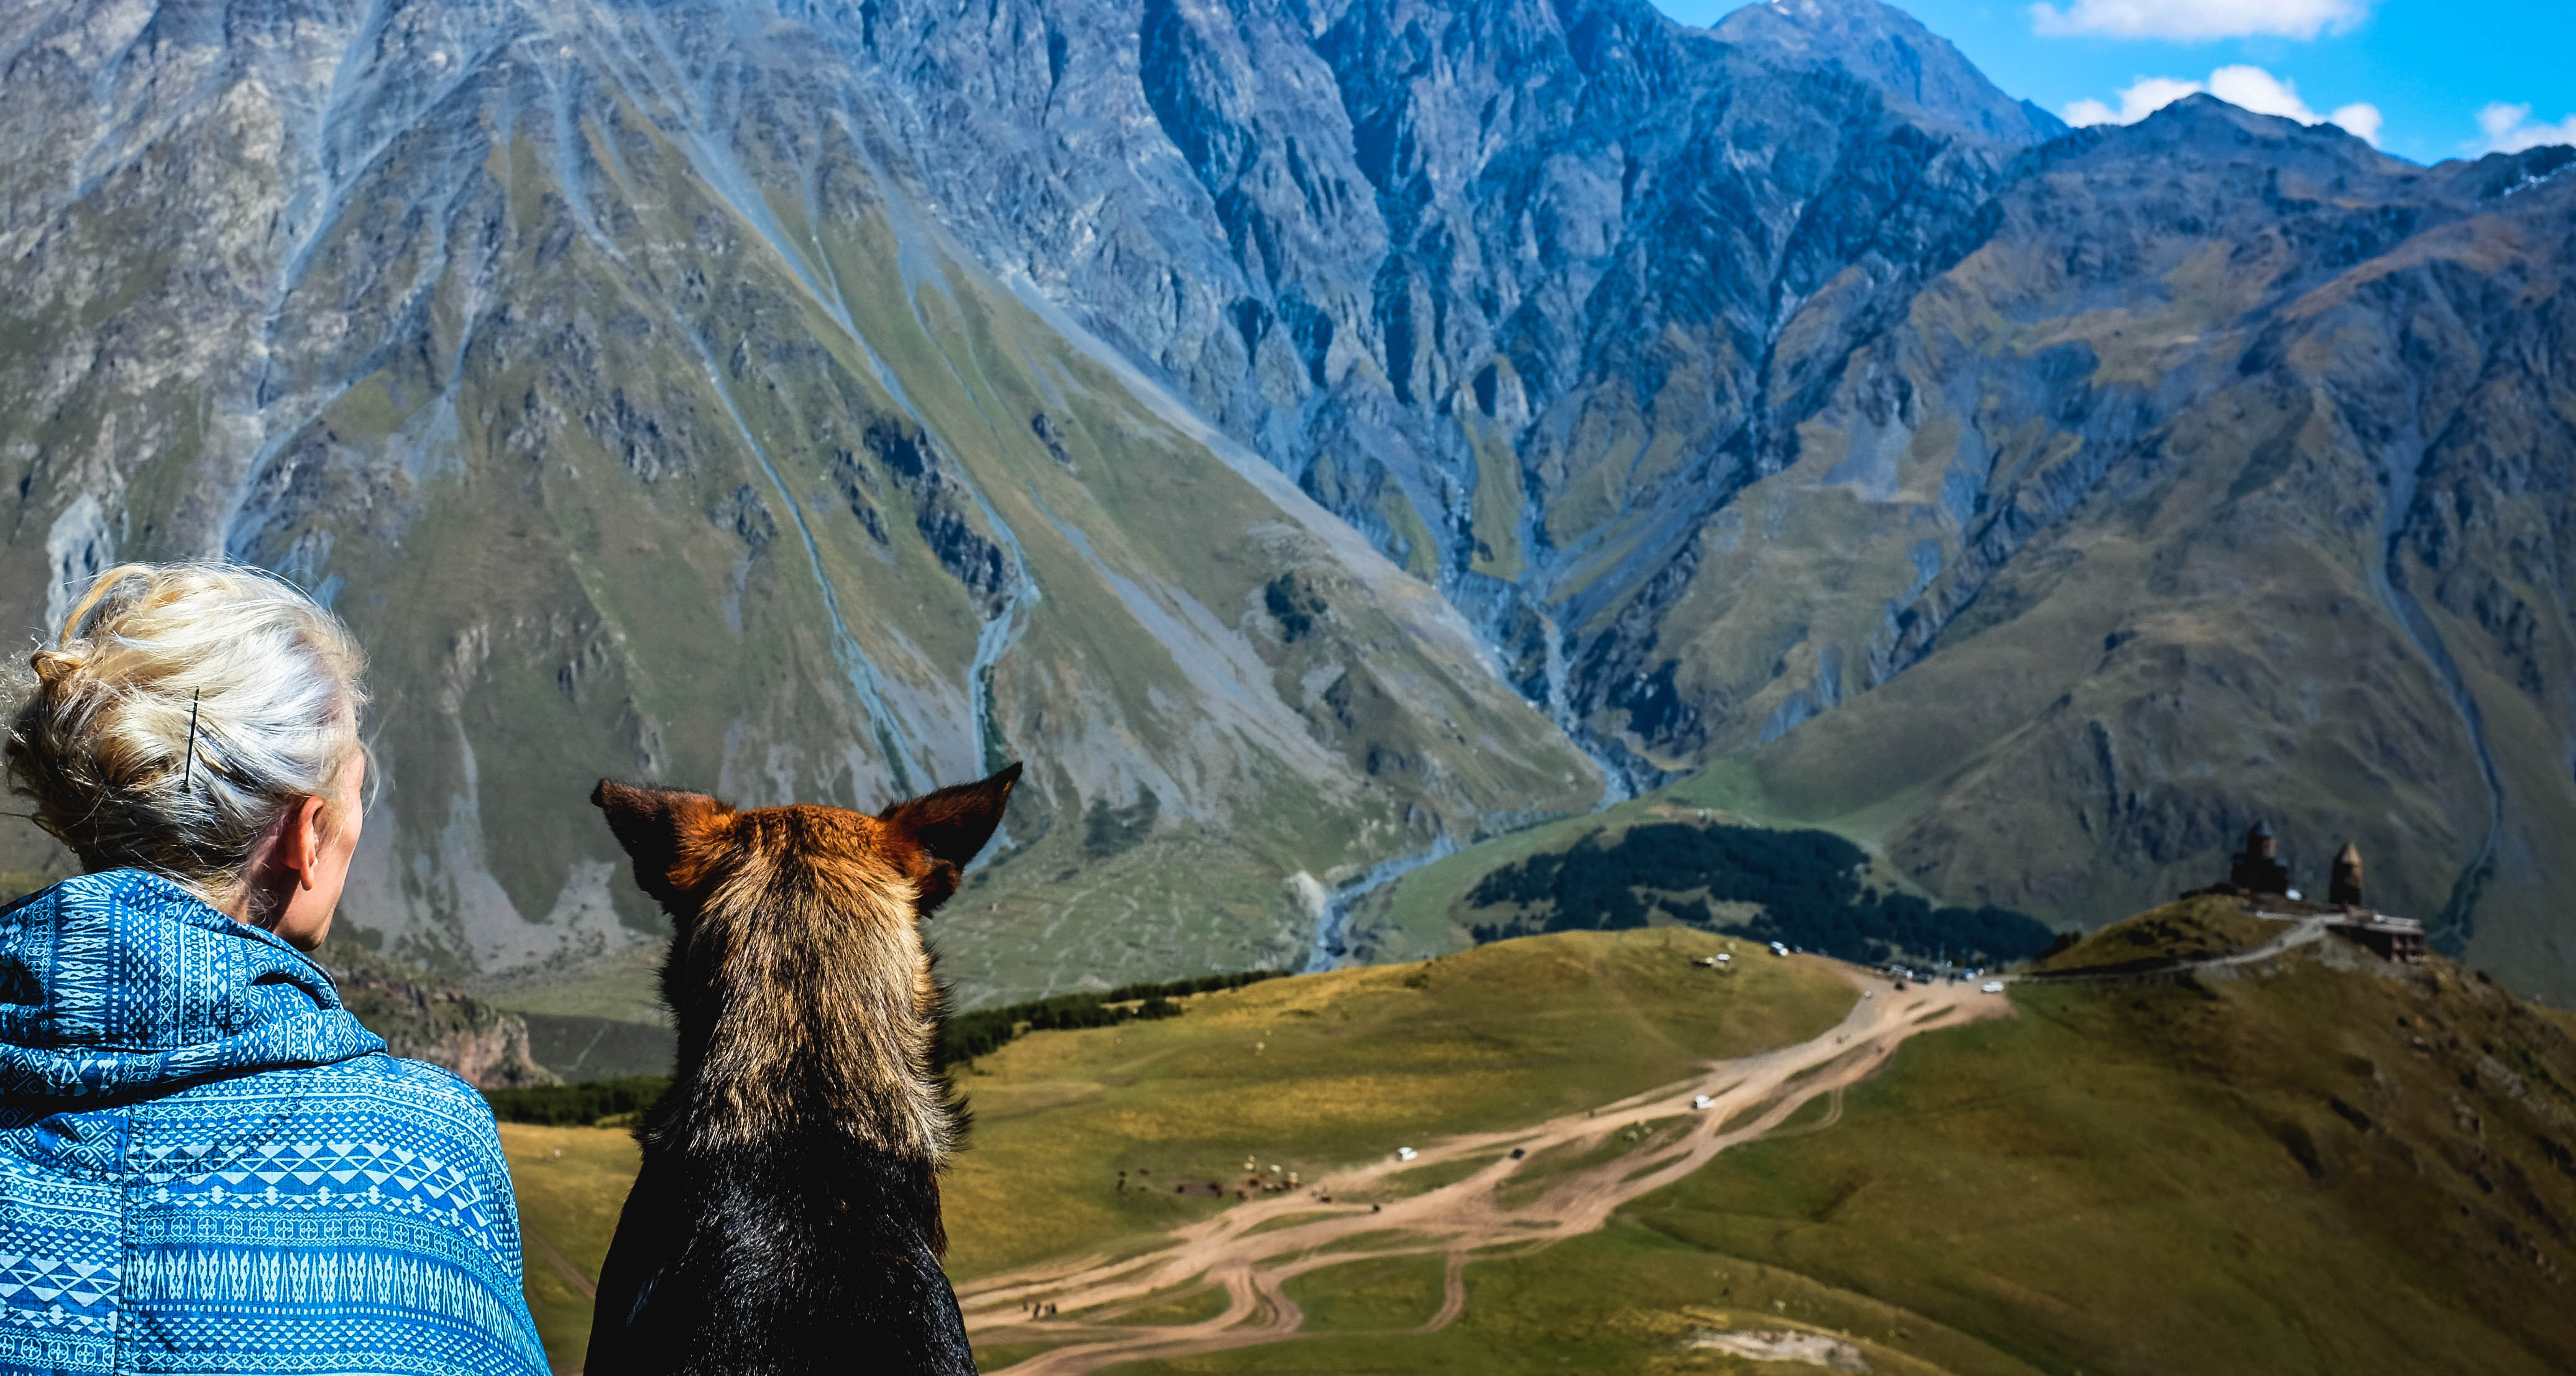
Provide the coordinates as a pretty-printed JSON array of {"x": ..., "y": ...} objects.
[
  {"x": 962, "y": 1038},
  {"x": 966, "y": 1036},
  {"x": 1807, "y": 883}
]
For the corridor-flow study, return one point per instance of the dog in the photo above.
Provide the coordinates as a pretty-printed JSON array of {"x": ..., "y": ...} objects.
[{"x": 787, "y": 1216}]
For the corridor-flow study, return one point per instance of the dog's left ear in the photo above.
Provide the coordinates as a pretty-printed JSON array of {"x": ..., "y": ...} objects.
[
  {"x": 673, "y": 837},
  {"x": 950, "y": 827}
]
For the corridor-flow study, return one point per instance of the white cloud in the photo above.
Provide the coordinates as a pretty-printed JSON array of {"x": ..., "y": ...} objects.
[
  {"x": 2250, "y": 88},
  {"x": 2361, "y": 119},
  {"x": 2150, "y": 94},
  {"x": 2508, "y": 129},
  {"x": 2191, "y": 21},
  {"x": 2254, "y": 89}
]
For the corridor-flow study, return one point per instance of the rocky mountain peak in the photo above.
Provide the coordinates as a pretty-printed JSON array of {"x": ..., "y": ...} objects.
[
  {"x": 1890, "y": 49},
  {"x": 2205, "y": 126}
]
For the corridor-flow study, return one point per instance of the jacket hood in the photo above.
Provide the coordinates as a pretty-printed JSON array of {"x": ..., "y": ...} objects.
[{"x": 124, "y": 984}]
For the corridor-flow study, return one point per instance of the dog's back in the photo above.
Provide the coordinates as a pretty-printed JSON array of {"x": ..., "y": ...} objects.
[
  {"x": 776, "y": 1261},
  {"x": 787, "y": 1216}
]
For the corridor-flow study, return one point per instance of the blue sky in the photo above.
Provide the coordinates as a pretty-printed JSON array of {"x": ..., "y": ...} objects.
[{"x": 2424, "y": 79}]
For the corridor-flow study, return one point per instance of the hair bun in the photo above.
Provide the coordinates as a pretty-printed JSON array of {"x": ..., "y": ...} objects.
[{"x": 53, "y": 665}]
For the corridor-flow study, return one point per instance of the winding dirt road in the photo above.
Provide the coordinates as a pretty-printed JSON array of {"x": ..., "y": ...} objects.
[{"x": 1751, "y": 1098}]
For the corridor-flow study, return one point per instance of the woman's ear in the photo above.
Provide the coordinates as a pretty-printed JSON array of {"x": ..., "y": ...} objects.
[
  {"x": 673, "y": 837},
  {"x": 299, "y": 841},
  {"x": 950, "y": 827}
]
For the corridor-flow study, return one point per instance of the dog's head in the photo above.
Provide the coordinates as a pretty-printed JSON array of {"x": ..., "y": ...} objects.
[
  {"x": 686, "y": 845},
  {"x": 798, "y": 976}
]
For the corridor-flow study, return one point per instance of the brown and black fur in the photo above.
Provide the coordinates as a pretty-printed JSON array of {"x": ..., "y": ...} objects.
[{"x": 787, "y": 1216}]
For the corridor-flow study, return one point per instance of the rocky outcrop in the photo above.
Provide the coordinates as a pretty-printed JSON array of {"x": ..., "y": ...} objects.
[
  {"x": 427, "y": 1021},
  {"x": 941, "y": 506}
]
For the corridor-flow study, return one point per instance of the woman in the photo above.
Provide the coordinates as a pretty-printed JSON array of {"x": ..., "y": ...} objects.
[{"x": 206, "y": 1164}]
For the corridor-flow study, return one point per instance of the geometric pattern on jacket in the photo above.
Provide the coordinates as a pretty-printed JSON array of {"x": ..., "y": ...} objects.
[{"x": 207, "y": 1165}]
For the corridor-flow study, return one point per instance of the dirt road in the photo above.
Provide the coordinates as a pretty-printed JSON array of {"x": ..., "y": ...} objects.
[{"x": 1564, "y": 1185}]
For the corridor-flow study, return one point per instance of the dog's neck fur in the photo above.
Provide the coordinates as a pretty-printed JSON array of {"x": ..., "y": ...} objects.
[{"x": 806, "y": 1007}]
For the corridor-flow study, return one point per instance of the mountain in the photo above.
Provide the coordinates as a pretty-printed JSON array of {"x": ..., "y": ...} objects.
[
  {"x": 2230, "y": 464},
  {"x": 1313, "y": 437},
  {"x": 2071, "y": 581},
  {"x": 598, "y": 373},
  {"x": 1892, "y": 51}
]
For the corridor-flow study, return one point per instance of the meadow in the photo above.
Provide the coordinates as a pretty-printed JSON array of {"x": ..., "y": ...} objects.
[
  {"x": 572, "y": 1182},
  {"x": 2326, "y": 1165},
  {"x": 1305, "y": 1073},
  {"x": 2321, "y": 1163},
  {"x": 1330, "y": 1070}
]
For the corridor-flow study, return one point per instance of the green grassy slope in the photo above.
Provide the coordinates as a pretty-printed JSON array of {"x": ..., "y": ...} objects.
[
  {"x": 2251, "y": 1176},
  {"x": 2189, "y": 929},
  {"x": 1628, "y": 1299},
  {"x": 1307, "y": 1072},
  {"x": 572, "y": 1184},
  {"x": 2326, "y": 1165},
  {"x": 2319, "y": 1164},
  {"x": 1337, "y": 1069}
]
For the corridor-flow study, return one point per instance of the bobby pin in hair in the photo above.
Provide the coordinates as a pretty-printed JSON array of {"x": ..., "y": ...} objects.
[{"x": 188, "y": 777}]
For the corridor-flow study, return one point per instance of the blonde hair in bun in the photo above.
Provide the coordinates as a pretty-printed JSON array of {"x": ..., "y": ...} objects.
[{"x": 178, "y": 712}]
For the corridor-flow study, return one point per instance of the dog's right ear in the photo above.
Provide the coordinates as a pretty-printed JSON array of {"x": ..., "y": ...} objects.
[{"x": 673, "y": 837}]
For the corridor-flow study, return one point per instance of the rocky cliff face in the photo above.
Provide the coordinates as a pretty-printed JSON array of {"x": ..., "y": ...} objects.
[
  {"x": 1504, "y": 285},
  {"x": 1725, "y": 377},
  {"x": 823, "y": 400},
  {"x": 2155, "y": 515},
  {"x": 607, "y": 371},
  {"x": 428, "y": 1021}
]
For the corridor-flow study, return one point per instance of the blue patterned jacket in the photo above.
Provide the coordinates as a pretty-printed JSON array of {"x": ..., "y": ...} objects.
[{"x": 207, "y": 1165}]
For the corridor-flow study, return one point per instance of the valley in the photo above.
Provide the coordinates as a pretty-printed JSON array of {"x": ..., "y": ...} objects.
[
  {"x": 1572, "y": 539},
  {"x": 1313, "y": 442}
]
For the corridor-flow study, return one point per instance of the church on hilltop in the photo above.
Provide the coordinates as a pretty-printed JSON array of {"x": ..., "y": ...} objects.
[{"x": 2258, "y": 874}]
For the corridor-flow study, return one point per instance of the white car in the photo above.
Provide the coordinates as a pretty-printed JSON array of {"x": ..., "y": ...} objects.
[
  {"x": 1701, "y": 1101},
  {"x": 1405, "y": 1153},
  {"x": 1992, "y": 986}
]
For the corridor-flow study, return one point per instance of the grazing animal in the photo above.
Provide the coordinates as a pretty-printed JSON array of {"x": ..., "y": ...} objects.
[{"x": 787, "y": 1216}]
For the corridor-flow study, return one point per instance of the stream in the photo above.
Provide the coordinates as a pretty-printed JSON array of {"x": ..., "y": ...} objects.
[
  {"x": 2450, "y": 930},
  {"x": 1332, "y": 930}
]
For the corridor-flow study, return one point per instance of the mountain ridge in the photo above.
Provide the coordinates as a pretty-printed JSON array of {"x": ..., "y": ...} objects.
[
  {"x": 1888, "y": 48},
  {"x": 824, "y": 401}
]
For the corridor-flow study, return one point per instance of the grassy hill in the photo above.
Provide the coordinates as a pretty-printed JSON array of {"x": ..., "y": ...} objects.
[
  {"x": 2317, "y": 1163},
  {"x": 1303, "y": 1073},
  {"x": 1328, "y": 1070}
]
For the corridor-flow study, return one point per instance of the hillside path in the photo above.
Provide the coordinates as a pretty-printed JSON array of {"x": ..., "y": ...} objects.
[
  {"x": 1751, "y": 1098},
  {"x": 2302, "y": 931}
]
